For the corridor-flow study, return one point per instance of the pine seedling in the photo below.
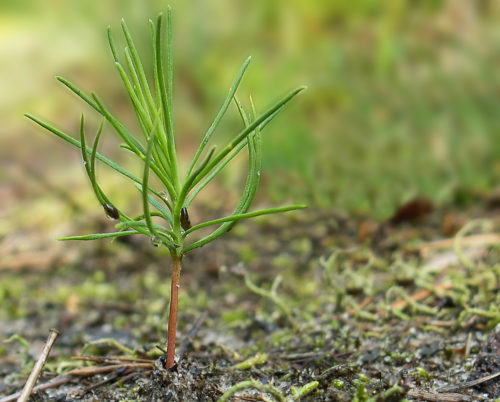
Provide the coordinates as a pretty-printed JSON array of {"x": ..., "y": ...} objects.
[{"x": 165, "y": 218}]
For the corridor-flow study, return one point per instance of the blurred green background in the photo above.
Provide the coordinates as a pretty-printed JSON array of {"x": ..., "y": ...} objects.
[{"x": 403, "y": 95}]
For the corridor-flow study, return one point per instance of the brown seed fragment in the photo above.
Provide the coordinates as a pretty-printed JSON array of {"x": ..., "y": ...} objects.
[
  {"x": 185, "y": 222},
  {"x": 111, "y": 211},
  {"x": 412, "y": 211}
]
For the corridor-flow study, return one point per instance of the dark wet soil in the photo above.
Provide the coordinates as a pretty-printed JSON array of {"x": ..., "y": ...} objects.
[{"x": 312, "y": 305}]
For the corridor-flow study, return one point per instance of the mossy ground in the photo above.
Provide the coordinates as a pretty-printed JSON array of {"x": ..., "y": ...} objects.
[{"x": 364, "y": 310}]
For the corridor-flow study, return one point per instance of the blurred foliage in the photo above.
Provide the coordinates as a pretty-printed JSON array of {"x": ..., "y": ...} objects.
[{"x": 402, "y": 94}]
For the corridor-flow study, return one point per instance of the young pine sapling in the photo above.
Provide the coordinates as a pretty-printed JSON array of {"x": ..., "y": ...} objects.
[{"x": 156, "y": 149}]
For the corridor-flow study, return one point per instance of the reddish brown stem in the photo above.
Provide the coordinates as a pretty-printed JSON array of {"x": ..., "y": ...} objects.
[{"x": 172, "y": 319}]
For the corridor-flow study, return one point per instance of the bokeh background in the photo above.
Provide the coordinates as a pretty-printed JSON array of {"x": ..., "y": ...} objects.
[
  {"x": 402, "y": 98},
  {"x": 403, "y": 103}
]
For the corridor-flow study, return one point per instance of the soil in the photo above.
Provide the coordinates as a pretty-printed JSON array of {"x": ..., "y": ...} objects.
[{"x": 311, "y": 305}]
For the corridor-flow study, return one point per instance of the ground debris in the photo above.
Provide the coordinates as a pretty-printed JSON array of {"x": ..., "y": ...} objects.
[{"x": 406, "y": 317}]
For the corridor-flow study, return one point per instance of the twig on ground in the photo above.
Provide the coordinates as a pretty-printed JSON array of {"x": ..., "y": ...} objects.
[
  {"x": 130, "y": 376},
  {"x": 87, "y": 371},
  {"x": 468, "y": 345},
  {"x": 470, "y": 384},
  {"x": 473, "y": 240},
  {"x": 56, "y": 382},
  {"x": 448, "y": 397},
  {"x": 419, "y": 295},
  {"x": 302, "y": 357},
  {"x": 402, "y": 303},
  {"x": 37, "y": 369},
  {"x": 111, "y": 359},
  {"x": 123, "y": 372}
]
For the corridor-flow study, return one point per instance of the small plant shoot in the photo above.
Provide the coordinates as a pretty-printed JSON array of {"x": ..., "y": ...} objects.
[{"x": 152, "y": 102}]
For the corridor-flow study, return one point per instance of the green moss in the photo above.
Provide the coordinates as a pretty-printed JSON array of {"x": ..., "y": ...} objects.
[
  {"x": 301, "y": 246},
  {"x": 251, "y": 362},
  {"x": 236, "y": 315},
  {"x": 361, "y": 392},
  {"x": 283, "y": 260},
  {"x": 422, "y": 373},
  {"x": 247, "y": 253},
  {"x": 241, "y": 231},
  {"x": 299, "y": 392},
  {"x": 363, "y": 377},
  {"x": 338, "y": 383}
]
